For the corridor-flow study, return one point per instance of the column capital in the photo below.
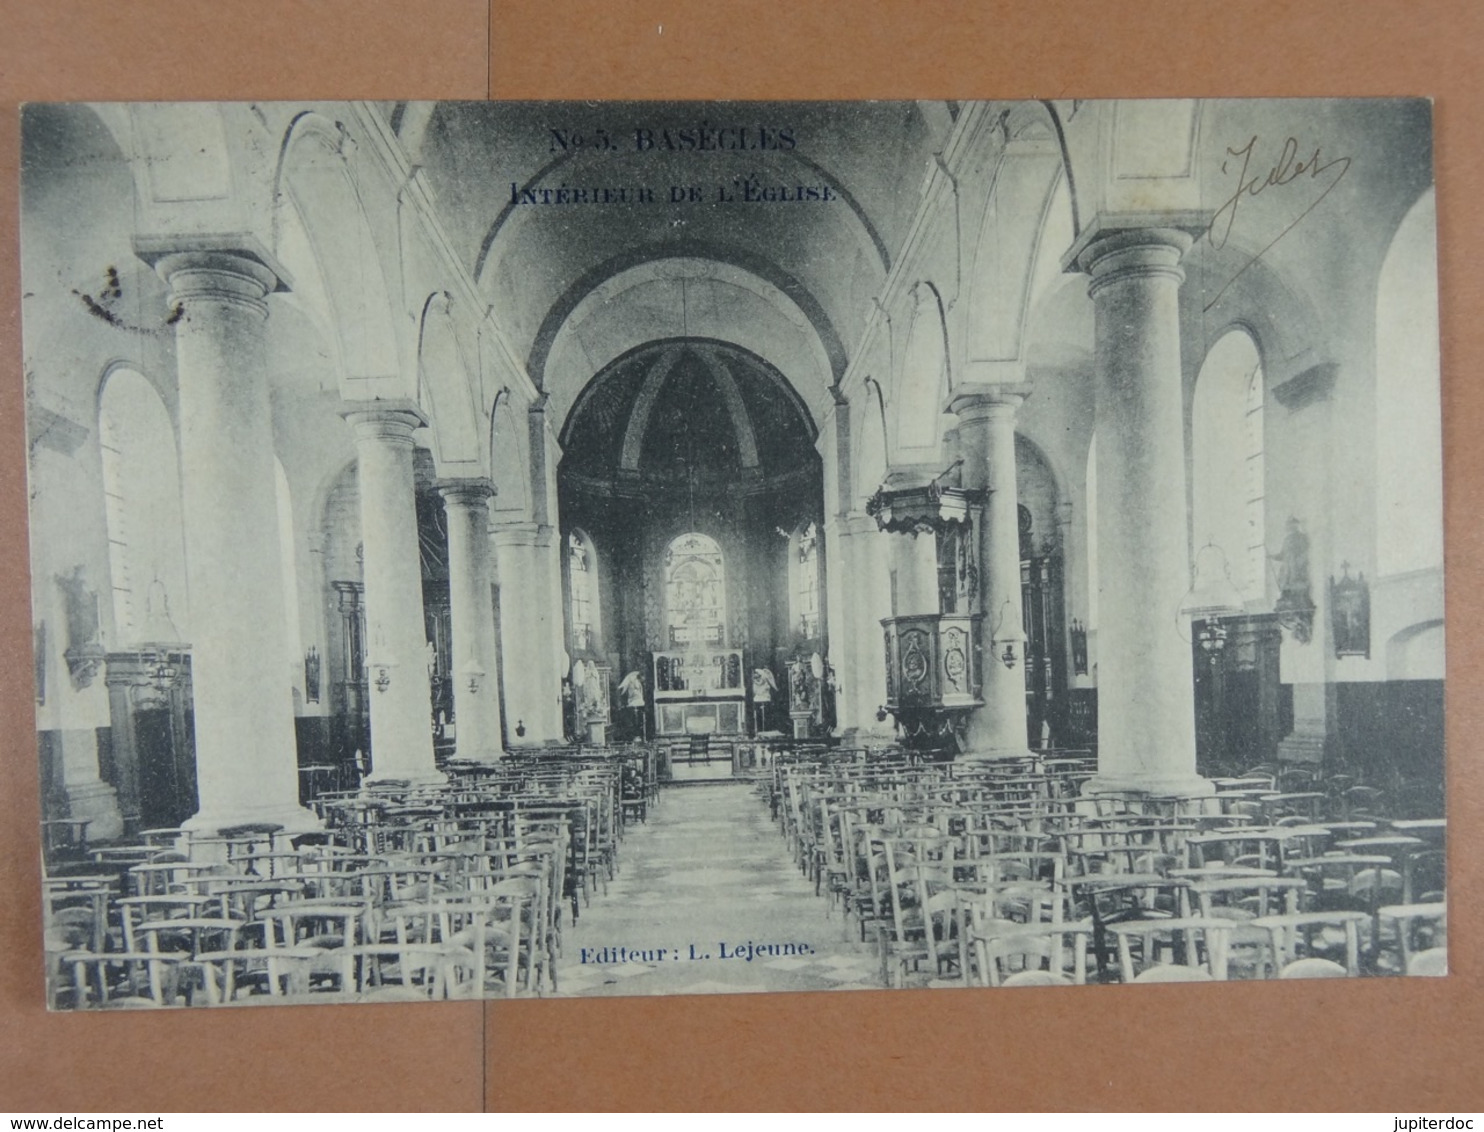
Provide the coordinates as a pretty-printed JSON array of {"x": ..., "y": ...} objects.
[
  {"x": 394, "y": 419},
  {"x": 980, "y": 401},
  {"x": 466, "y": 489},
  {"x": 1120, "y": 246},
  {"x": 232, "y": 267}
]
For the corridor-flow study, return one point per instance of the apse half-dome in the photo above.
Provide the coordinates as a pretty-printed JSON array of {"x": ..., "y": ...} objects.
[{"x": 688, "y": 406}]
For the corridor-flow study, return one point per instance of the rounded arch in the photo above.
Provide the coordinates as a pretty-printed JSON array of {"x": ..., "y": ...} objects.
[
  {"x": 1027, "y": 223},
  {"x": 338, "y": 511},
  {"x": 142, "y": 509},
  {"x": 1416, "y": 652},
  {"x": 1233, "y": 287},
  {"x": 1228, "y": 467},
  {"x": 922, "y": 384},
  {"x": 686, "y": 293},
  {"x": 444, "y": 375},
  {"x": 1040, "y": 487},
  {"x": 314, "y": 180},
  {"x": 1409, "y": 461},
  {"x": 510, "y": 466}
]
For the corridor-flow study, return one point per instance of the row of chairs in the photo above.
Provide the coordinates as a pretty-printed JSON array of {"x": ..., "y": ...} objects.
[
  {"x": 409, "y": 892},
  {"x": 938, "y": 862}
]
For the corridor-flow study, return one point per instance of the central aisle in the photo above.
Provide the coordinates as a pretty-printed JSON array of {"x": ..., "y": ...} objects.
[{"x": 706, "y": 876}]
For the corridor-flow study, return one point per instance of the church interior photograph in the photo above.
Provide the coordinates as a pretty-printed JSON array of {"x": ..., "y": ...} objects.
[{"x": 575, "y": 549}]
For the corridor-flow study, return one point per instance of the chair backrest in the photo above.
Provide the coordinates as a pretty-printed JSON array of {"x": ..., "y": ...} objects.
[
  {"x": 1314, "y": 931},
  {"x": 1432, "y": 962},
  {"x": 1205, "y": 943},
  {"x": 1173, "y": 973},
  {"x": 1313, "y": 968},
  {"x": 1036, "y": 979}
]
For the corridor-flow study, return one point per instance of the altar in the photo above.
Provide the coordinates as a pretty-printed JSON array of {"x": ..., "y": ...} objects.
[{"x": 699, "y": 691}]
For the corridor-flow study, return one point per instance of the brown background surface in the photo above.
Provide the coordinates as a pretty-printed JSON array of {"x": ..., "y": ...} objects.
[{"x": 1410, "y": 1045}]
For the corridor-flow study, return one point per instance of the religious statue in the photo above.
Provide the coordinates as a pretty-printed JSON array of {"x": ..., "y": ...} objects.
[
  {"x": 631, "y": 694},
  {"x": 1295, "y": 604},
  {"x": 800, "y": 685},
  {"x": 1293, "y": 562},
  {"x": 84, "y": 652},
  {"x": 631, "y": 688},
  {"x": 764, "y": 685}
]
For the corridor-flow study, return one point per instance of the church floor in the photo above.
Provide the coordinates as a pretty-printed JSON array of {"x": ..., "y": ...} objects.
[{"x": 705, "y": 877}]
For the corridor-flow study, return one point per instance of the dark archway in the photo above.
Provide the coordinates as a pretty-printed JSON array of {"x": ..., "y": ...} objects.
[{"x": 692, "y": 436}]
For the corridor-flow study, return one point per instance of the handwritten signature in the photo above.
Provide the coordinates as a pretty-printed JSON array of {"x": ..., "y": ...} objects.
[{"x": 1285, "y": 171}]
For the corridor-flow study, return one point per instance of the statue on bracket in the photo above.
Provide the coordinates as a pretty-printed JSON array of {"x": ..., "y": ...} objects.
[
  {"x": 1295, "y": 605},
  {"x": 84, "y": 653}
]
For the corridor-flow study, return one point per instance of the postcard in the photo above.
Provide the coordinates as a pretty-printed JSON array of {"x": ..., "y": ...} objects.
[{"x": 550, "y": 549}]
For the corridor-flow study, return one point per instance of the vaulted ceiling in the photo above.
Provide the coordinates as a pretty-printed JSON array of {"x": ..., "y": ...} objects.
[{"x": 504, "y": 175}]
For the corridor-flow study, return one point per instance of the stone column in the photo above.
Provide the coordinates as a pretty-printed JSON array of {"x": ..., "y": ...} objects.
[
  {"x": 246, "y": 753},
  {"x": 987, "y": 441},
  {"x": 88, "y": 796},
  {"x": 1146, "y": 703},
  {"x": 476, "y": 694},
  {"x": 528, "y": 624},
  {"x": 396, "y": 636},
  {"x": 860, "y": 596}
]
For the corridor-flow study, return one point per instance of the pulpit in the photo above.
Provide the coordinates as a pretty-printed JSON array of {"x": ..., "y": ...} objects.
[
  {"x": 932, "y": 673},
  {"x": 933, "y": 638}
]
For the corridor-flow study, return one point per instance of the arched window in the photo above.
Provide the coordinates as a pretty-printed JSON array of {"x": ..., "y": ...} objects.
[
  {"x": 695, "y": 591},
  {"x": 141, "y": 486},
  {"x": 804, "y": 571},
  {"x": 1228, "y": 467},
  {"x": 582, "y": 581},
  {"x": 1409, "y": 457}
]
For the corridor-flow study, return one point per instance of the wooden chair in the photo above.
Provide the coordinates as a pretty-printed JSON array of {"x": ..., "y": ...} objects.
[
  {"x": 1191, "y": 942},
  {"x": 1313, "y": 933},
  {"x": 1032, "y": 955},
  {"x": 1416, "y": 927},
  {"x": 201, "y": 945},
  {"x": 123, "y": 980},
  {"x": 413, "y": 972}
]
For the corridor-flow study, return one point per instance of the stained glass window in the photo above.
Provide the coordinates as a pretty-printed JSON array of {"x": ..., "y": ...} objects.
[{"x": 695, "y": 591}]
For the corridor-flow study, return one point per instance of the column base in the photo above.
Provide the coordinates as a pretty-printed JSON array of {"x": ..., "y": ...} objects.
[
  {"x": 1145, "y": 786},
  {"x": 98, "y": 803},
  {"x": 419, "y": 778},
  {"x": 491, "y": 756},
  {"x": 293, "y": 818},
  {"x": 993, "y": 754},
  {"x": 867, "y": 737}
]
